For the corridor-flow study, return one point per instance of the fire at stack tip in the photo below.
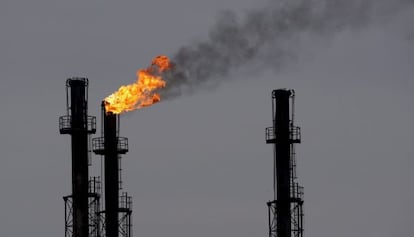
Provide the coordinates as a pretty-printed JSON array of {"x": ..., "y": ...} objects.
[
  {"x": 143, "y": 92},
  {"x": 104, "y": 106}
]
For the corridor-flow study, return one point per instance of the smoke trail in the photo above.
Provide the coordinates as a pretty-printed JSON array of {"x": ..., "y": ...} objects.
[{"x": 267, "y": 36}]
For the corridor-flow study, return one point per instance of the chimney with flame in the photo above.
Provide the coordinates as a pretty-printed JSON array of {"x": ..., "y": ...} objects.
[{"x": 118, "y": 208}]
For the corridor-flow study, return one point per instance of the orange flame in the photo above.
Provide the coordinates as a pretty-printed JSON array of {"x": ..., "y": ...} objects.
[{"x": 142, "y": 92}]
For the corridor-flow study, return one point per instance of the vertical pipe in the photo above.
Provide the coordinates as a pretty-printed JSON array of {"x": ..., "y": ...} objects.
[
  {"x": 129, "y": 226},
  {"x": 270, "y": 221},
  {"x": 281, "y": 125},
  {"x": 79, "y": 157},
  {"x": 274, "y": 147},
  {"x": 111, "y": 174}
]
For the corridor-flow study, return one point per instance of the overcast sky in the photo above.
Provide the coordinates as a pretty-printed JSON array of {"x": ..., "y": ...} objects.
[{"x": 198, "y": 165}]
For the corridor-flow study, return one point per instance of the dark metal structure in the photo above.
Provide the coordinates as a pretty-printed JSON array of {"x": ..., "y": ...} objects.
[
  {"x": 118, "y": 209},
  {"x": 94, "y": 205},
  {"x": 286, "y": 209},
  {"x": 79, "y": 217}
]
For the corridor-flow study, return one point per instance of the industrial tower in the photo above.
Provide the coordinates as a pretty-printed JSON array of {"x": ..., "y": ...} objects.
[
  {"x": 82, "y": 206},
  {"x": 285, "y": 210},
  {"x": 118, "y": 208}
]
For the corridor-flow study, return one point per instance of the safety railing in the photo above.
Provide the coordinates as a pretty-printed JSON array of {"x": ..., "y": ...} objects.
[
  {"x": 98, "y": 145},
  {"x": 296, "y": 191},
  {"x": 294, "y": 135},
  {"x": 66, "y": 126},
  {"x": 125, "y": 201}
]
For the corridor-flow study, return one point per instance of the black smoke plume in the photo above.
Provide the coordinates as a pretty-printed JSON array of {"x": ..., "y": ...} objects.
[{"x": 268, "y": 36}]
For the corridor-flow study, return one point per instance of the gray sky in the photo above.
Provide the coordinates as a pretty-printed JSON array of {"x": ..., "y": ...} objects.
[{"x": 199, "y": 165}]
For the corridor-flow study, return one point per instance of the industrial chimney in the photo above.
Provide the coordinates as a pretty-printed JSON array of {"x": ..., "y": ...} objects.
[
  {"x": 118, "y": 209},
  {"x": 285, "y": 210},
  {"x": 79, "y": 125}
]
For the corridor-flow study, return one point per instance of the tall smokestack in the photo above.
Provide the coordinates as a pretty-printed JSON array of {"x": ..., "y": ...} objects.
[
  {"x": 281, "y": 125},
  {"x": 285, "y": 211},
  {"x": 79, "y": 125},
  {"x": 111, "y": 174},
  {"x": 111, "y": 146}
]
